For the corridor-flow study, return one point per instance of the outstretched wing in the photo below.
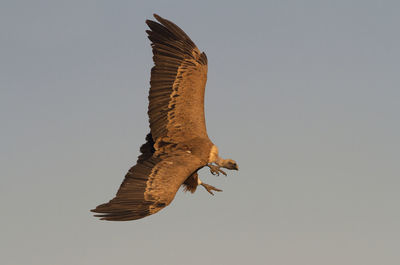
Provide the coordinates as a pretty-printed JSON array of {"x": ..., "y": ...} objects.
[
  {"x": 149, "y": 186},
  {"x": 178, "y": 79}
]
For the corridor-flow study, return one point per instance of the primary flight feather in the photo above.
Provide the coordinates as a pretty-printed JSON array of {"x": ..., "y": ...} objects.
[{"x": 177, "y": 145}]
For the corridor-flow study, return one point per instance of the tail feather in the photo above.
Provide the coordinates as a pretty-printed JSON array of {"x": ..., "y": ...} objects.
[{"x": 191, "y": 183}]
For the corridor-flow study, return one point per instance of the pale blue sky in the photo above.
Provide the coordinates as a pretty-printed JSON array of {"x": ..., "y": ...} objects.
[{"x": 303, "y": 94}]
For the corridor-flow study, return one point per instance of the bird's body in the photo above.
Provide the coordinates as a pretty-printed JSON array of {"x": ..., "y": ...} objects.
[{"x": 177, "y": 145}]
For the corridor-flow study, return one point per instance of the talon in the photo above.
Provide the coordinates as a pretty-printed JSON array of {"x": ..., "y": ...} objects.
[
  {"x": 209, "y": 188},
  {"x": 215, "y": 170}
]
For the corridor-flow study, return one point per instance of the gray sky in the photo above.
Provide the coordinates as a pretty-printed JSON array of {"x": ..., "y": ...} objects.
[{"x": 303, "y": 94}]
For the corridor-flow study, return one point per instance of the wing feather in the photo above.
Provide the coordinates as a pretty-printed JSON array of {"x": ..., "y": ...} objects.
[
  {"x": 149, "y": 186},
  {"x": 178, "y": 79}
]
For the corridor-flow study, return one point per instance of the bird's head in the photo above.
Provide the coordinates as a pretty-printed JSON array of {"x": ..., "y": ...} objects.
[{"x": 230, "y": 164}]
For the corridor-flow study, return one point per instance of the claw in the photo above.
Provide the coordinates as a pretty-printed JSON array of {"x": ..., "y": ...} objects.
[
  {"x": 215, "y": 170},
  {"x": 209, "y": 188}
]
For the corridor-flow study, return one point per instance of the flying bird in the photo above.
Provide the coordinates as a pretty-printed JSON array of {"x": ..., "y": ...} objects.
[{"x": 177, "y": 145}]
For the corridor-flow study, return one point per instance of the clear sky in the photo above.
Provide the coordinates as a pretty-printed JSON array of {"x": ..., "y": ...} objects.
[{"x": 305, "y": 95}]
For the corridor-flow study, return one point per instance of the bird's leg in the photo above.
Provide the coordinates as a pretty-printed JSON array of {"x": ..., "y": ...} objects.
[
  {"x": 215, "y": 169},
  {"x": 209, "y": 188}
]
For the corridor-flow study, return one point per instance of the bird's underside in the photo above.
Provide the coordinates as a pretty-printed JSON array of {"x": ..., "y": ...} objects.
[{"x": 177, "y": 145}]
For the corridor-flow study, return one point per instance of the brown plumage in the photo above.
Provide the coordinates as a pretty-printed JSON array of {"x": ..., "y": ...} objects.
[
  {"x": 177, "y": 145},
  {"x": 191, "y": 183}
]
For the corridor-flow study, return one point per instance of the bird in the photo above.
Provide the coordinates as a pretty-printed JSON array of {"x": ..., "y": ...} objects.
[{"x": 177, "y": 145}]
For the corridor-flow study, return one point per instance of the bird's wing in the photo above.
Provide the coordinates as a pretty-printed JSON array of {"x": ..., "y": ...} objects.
[
  {"x": 178, "y": 79},
  {"x": 149, "y": 186}
]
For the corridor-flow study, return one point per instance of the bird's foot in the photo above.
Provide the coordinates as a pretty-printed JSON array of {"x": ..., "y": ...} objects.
[
  {"x": 210, "y": 188},
  {"x": 215, "y": 170}
]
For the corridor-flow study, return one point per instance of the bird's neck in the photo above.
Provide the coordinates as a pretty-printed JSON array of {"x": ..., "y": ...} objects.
[{"x": 221, "y": 162}]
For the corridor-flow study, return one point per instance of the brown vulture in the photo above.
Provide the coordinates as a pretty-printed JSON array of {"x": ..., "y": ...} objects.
[{"x": 177, "y": 145}]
